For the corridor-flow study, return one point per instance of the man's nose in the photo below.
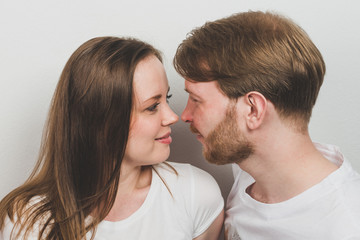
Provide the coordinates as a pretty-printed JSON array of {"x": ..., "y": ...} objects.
[{"x": 186, "y": 115}]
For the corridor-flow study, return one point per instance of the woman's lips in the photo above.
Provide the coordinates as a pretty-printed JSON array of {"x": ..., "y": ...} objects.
[{"x": 166, "y": 139}]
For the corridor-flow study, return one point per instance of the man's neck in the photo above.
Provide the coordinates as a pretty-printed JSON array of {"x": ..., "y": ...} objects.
[{"x": 284, "y": 169}]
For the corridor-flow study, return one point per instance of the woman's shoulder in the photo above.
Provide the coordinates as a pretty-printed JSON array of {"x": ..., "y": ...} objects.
[
  {"x": 186, "y": 177},
  {"x": 182, "y": 171},
  {"x": 11, "y": 224},
  {"x": 197, "y": 191}
]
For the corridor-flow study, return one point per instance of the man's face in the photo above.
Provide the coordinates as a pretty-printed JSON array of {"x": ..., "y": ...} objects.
[
  {"x": 205, "y": 109},
  {"x": 212, "y": 117},
  {"x": 226, "y": 143}
]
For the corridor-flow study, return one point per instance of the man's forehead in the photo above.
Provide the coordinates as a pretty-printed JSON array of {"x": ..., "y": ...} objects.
[
  {"x": 189, "y": 85},
  {"x": 201, "y": 87},
  {"x": 207, "y": 93}
]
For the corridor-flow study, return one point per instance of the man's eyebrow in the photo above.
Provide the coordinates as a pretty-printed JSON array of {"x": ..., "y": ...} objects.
[{"x": 192, "y": 93}]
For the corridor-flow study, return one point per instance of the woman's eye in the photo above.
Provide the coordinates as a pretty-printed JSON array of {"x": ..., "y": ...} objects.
[
  {"x": 168, "y": 97},
  {"x": 153, "y": 108}
]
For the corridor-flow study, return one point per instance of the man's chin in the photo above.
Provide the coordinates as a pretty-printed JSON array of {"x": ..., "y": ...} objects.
[
  {"x": 220, "y": 157},
  {"x": 212, "y": 160}
]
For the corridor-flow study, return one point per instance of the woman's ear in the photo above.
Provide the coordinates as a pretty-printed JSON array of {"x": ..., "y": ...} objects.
[{"x": 257, "y": 105}]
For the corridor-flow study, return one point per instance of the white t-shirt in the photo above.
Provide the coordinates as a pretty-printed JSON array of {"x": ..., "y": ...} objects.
[
  {"x": 194, "y": 203},
  {"x": 329, "y": 210}
]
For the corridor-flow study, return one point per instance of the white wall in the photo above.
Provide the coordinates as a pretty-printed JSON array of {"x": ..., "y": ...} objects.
[{"x": 38, "y": 36}]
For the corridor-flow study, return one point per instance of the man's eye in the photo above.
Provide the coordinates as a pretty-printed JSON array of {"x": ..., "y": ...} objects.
[
  {"x": 193, "y": 99},
  {"x": 153, "y": 108}
]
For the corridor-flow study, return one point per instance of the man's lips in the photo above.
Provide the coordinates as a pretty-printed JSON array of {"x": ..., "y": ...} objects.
[
  {"x": 198, "y": 135},
  {"x": 194, "y": 130}
]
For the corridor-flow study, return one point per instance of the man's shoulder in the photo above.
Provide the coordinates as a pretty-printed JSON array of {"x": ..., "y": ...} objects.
[{"x": 350, "y": 192}]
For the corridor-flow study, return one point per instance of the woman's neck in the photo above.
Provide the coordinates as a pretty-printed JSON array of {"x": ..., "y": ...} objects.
[{"x": 134, "y": 185}]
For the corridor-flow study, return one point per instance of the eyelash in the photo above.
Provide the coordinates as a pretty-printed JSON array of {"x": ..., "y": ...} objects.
[
  {"x": 194, "y": 100},
  {"x": 153, "y": 108},
  {"x": 168, "y": 97}
]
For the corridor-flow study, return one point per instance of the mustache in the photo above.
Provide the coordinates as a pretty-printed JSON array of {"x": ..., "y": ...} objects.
[{"x": 194, "y": 130}]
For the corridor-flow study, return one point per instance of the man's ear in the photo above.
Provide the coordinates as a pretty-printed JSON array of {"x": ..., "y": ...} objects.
[{"x": 257, "y": 106}]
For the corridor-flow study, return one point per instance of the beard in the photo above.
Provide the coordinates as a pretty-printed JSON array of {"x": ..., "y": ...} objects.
[{"x": 226, "y": 143}]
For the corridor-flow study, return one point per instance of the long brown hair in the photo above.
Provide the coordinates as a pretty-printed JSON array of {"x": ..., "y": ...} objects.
[
  {"x": 78, "y": 169},
  {"x": 256, "y": 51}
]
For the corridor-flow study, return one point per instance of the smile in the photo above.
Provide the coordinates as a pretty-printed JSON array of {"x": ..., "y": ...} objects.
[{"x": 166, "y": 139}]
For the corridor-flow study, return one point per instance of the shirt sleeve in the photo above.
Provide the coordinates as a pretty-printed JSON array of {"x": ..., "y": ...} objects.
[
  {"x": 9, "y": 225},
  {"x": 5, "y": 233},
  {"x": 207, "y": 201}
]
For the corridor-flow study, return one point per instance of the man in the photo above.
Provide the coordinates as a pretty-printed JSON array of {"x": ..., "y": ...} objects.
[{"x": 253, "y": 79}]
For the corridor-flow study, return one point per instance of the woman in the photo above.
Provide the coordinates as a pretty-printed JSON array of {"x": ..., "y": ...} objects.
[{"x": 100, "y": 172}]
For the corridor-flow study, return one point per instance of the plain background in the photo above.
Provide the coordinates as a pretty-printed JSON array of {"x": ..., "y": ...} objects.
[{"x": 37, "y": 38}]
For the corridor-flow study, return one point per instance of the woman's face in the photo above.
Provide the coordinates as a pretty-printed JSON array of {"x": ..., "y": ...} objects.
[{"x": 149, "y": 137}]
